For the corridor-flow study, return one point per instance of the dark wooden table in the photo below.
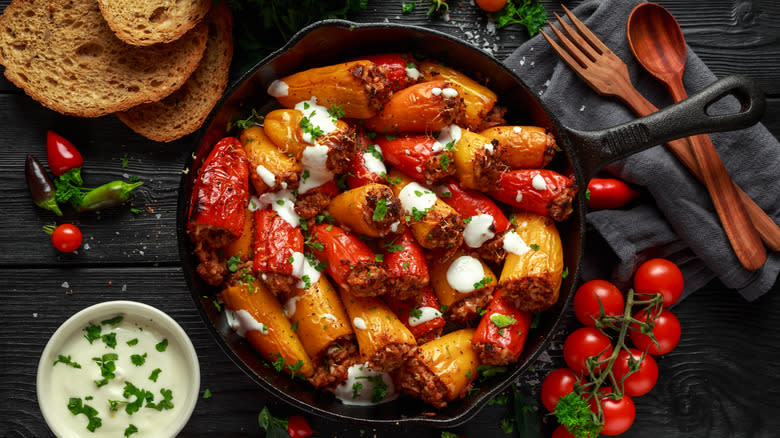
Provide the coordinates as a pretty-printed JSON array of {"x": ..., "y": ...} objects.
[{"x": 723, "y": 379}]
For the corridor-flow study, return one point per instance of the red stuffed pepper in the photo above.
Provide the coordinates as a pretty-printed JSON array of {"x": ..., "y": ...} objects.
[
  {"x": 219, "y": 198},
  {"x": 421, "y": 315},
  {"x": 404, "y": 261},
  {"x": 351, "y": 264},
  {"x": 501, "y": 333},
  {"x": 485, "y": 222},
  {"x": 539, "y": 191},
  {"x": 278, "y": 245},
  {"x": 400, "y": 69},
  {"x": 316, "y": 200},
  {"x": 367, "y": 165},
  {"x": 421, "y": 157}
]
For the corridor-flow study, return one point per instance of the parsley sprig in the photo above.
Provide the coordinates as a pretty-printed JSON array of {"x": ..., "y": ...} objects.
[{"x": 528, "y": 13}]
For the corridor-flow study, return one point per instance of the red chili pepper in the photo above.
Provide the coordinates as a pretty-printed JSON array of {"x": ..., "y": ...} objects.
[
  {"x": 395, "y": 68},
  {"x": 275, "y": 242},
  {"x": 496, "y": 329},
  {"x": 351, "y": 263},
  {"x": 298, "y": 427},
  {"x": 63, "y": 156},
  {"x": 609, "y": 193},
  {"x": 359, "y": 175},
  {"x": 472, "y": 203},
  {"x": 404, "y": 258},
  {"x": 414, "y": 156},
  {"x": 424, "y": 331},
  {"x": 539, "y": 191},
  {"x": 221, "y": 191}
]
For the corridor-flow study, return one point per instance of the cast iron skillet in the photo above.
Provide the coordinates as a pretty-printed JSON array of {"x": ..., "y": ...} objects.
[{"x": 333, "y": 41}]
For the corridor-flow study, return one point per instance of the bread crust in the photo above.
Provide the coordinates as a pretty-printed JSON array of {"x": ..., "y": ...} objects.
[
  {"x": 184, "y": 111},
  {"x": 63, "y": 54},
  {"x": 147, "y": 22}
]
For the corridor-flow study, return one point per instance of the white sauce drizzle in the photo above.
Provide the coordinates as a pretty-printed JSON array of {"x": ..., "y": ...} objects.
[
  {"x": 374, "y": 164},
  {"x": 464, "y": 272},
  {"x": 412, "y": 73},
  {"x": 347, "y": 391},
  {"x": 359, "y": 323},
  {"x": 394, "y": 226},
  {"x": 519, "y": 197},
  {"x": 242, "y": 322},
  {"x": 409, "y": 199},
  {"x": 427, "y": 314},
  {"x": 298, "y": 260},
  {"x": 314, "y": 160},
  {"x": 515, "y": 244},
  {"x": 255, "y": 204},
  {"x": 538, "y": 182},
  {"x": 449, "y": 92},
  {"x": 310, "y": 271},
  {"x": 266, "y": 175},
  {"x": 290, "y": 306},
  {"x": 331, "y": 317},
  {"x": 447, "y": 135},
  {"x": 517, "y": 129},
  {"x": 283, "y": 203},
  {"x": 478, "y": 231},
  {"x": 489, "y": 148},
  {"x": 436, "y": 91},
  {"x": 278, "y": 88},
  {"x": 318, "y": 116}
]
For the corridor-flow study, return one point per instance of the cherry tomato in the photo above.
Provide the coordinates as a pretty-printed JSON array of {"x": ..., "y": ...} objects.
[
  {"x": 609, "y": 193},
  {"x": 491, "y": 5},
  {"x": 557, "y": 384},
  {"x": 61, "y": 154},
  {"x": 666, "y": 331},
  {"x": 641, "y": 381},
  {"x": 582, "y": 344},
  {"x": 659, "y": 276},
  {"x": 562, "y": 432},
  {"x": 619, "y": 415},
  {"x": 587, "y": 297},
  {"x": 298, "y": 427},
  {"x": 66, "y": 238}
]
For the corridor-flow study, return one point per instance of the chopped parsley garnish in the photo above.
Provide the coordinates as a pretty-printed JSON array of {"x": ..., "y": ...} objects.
[
  {"x": 92, "y": 332},
  {"x": 370, "y": 135},
  {"x": 410, "y": 64},
  {"x": 393, "y": 181},
  {"x": 155, "y": 374},
  {"x": 482, "y": 283},
  {"x": 565, "y": 272},
  {"x": 291, "y": 259},
  {"x": 407, "y": 8},
  {"x": 113, "y": 321},
  {"x": 107, "y": 367},
  {"x": 379, "y": 258},
  {"x": 405, "y": 265},
  {"x": 309, "y": 128},
  {"x": 305, "y": 175},
  {"x": 448, "y": 434},
  {"x": 394, "y": 247},
  {"x": 207, "y": 393},
  {"x": 467, "y": 220},
  {"x": 76, "y": 406},
  {"x": 165, "y": 403},
  {"x": 415, "y": 312},
  {"x": 380, "y": 211},
  {"x": 486, "y": 371},
  {"x": 379, "y": 391},
  {"x": 294, "y": 327},
  {"x": 418, "y": 193},
  {"x": 131, "y": 429},
  {"x": 447, "y": 194},
  {"x": 535, "y": 320},
  {"x": 136, "y": 210},
  {"x": 445, "y": 161},
  {"x": 501, "y": 321},
  {"x": 248, "y": 122},
  {"x": 534, "y": 247},
  {"x": 418, "y": 214},
  {"x": 125, "y": 161},
  {"x": 587, "y": 195},
  {"x": 138, "y": 359},
  {"x": 336, "y": 112},
  {"x": 321, "y": 266},
  {"x": 162, "y": 345},
  {"x": 313, "y": 244},
  {"x": 507, "y": 425},
  {"x": 500, "y": 399},
  {"x": 279, "y": 363},
  {"x": 109, "y": 339},
  {"x": 390, "y": 137},
  {"x": 530, "y": 14},
  {"x": 481, "y": 311},
  {"x": 374, "y": 150},
  {"x": 306, "y": 281},
  {"x": 574, "y": 413},
  {"x": 356, "y": 387},
  {"x": 233, "y": 262},
  {"x": 280, "y": 202},
  {"x": 66, "y": 360},
  {"x": 443, "y": 308},
  {"x": 216, "y": 305}
]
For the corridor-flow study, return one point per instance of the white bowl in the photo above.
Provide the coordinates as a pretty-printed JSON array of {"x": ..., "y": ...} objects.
[{"x": 55, "y": 406}]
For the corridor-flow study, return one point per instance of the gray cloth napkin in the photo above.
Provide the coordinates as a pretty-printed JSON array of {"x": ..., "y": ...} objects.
[{"x": 682, "y": 224}]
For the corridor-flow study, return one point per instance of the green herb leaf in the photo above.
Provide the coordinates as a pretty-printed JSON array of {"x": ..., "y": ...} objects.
[
  {"x": 155, "y": 374},
  {"x": 379, "y": 391},
  {"x": 207, "y": 393},
  {"x": 356, "y": 387},
  {"x": 467, "y": 220},
  {"x": 507, "y": 425},
  {"x": 587, "y": 195},
  {"x": 109, "y": 339},
  {"x": 525, "y": 12},
  {"x": 165, "y": 403},
  {"x": 92, "y": 332},
  {"x": 336, "y": 112},
  {"x": 380, "y": 211},
  {"x": 162, "y": 345},
  {"x": 247, "y": 122},
  {"x": 418, "y": 214},
  {"x": 447, "y": 434},
  {"x": 445, "y": 161},
  {"x": 482, "y": 283},
  {"x": 408, "y": 7},
  {"x": 131, "y": 429},
  {"x": 309, "y": 128},
  {"x": 501, "y": 321},
  {"x": 415, "y": 312},
  {"x": 113, "y": 321},
  {"x": 138, "y": 359},
  {"x": 274, "y": 427},
  {"x": 379, "y": 258},
  {"x": 574, "y": 413},
  {"x": 66, "y": 360},
  {"x": 486, "y": 371},
  {"x": 565, "y": 272},
  {"x": 132, "y": 342},
  {"x": 534, "y": 247},
  {"x": 76, "y": 407},
  {"x": 535, "y": 319},
  {"x": 125, "y": 161}
]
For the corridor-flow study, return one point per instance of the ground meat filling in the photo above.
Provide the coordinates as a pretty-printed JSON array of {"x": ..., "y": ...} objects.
[
  {"x": 392, "y": 210},
  {"x": 405, "y": 287},
  {"x": 376, "y": 84},
  {"x": 494, "y": 117},
  {"x": 448, "y": 232},
  {"x": 487, "y": 168},
  {"x": 562, "y": 205},
  {"x": 452, "y": 108},
  {"x": 439, "y": 166},
  {"x": 491, "y": 354},
  {"x": 469, "y": 308},
  {"x": 341, "y": 148},
  {"x": 208, "y": 239},
  {"x": 312, "y": 203},
  {"x": 366, "y": 279},
  {"x": 493, "y": 250},
  {"x": 390, "y": 357},
  {"x": 531, "y": 293},
  {"x": 331, "y": 368},
  {"x": 416, "y": 379},
  {"x": 279, "y": 283}
]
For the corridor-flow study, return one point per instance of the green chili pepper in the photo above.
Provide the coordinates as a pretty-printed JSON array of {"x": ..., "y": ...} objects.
[
  {"x": 41, "y": 186},
  {"x": 108, "y": 195}
]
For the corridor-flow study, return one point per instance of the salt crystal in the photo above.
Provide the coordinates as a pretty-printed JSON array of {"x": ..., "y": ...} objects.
[
  {"x": 547, "y": 83},
  {"x": 522, "y": 61},
  {"x": 86, "y": 246},
  {"x": 158, "y": 215},
  {"x": 141, "y": 252},
  {"x": 65, "y": 284},
  {"x": 35, "y": 315},
  {"x": 124, "y": 288},
  {"x": 582, "y": 108}
]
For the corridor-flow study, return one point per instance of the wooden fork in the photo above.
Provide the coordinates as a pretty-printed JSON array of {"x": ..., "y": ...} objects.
[{"x": 608, "y": 75}]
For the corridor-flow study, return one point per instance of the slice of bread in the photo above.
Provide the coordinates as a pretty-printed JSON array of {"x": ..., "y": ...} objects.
[
  {"x": 147, "y": 22},
  {"x": 185, "y": 110},
  {"x": 64, "y": 55}
]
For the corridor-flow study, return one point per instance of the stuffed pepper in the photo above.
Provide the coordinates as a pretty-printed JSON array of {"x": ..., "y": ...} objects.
[
  {"x": 400, "y": 68},
  {"x": 404, "y": 262},
  {"x": 423, "y": 158},
  {"x": 278, "y": 256},
  {"x": 522, "y": 147},
  {"x": 272, "y": 169},
  {"x": 420, "y": 314},
  {"x": 421, "y": 108},
  {"x": 367, "y": 165},
  {"x": 371, "y": 210},
  {"x": 501, "y": 333},
  {"x": 464, "y": 286},
  {"x": 539, "y": 191}
]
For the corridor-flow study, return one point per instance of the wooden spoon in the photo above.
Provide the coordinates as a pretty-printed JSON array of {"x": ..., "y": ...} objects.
[{"x": 659, "y": 45}]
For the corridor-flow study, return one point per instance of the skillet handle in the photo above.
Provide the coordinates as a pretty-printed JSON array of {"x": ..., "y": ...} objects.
[{"x": 688, "y": 117}]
